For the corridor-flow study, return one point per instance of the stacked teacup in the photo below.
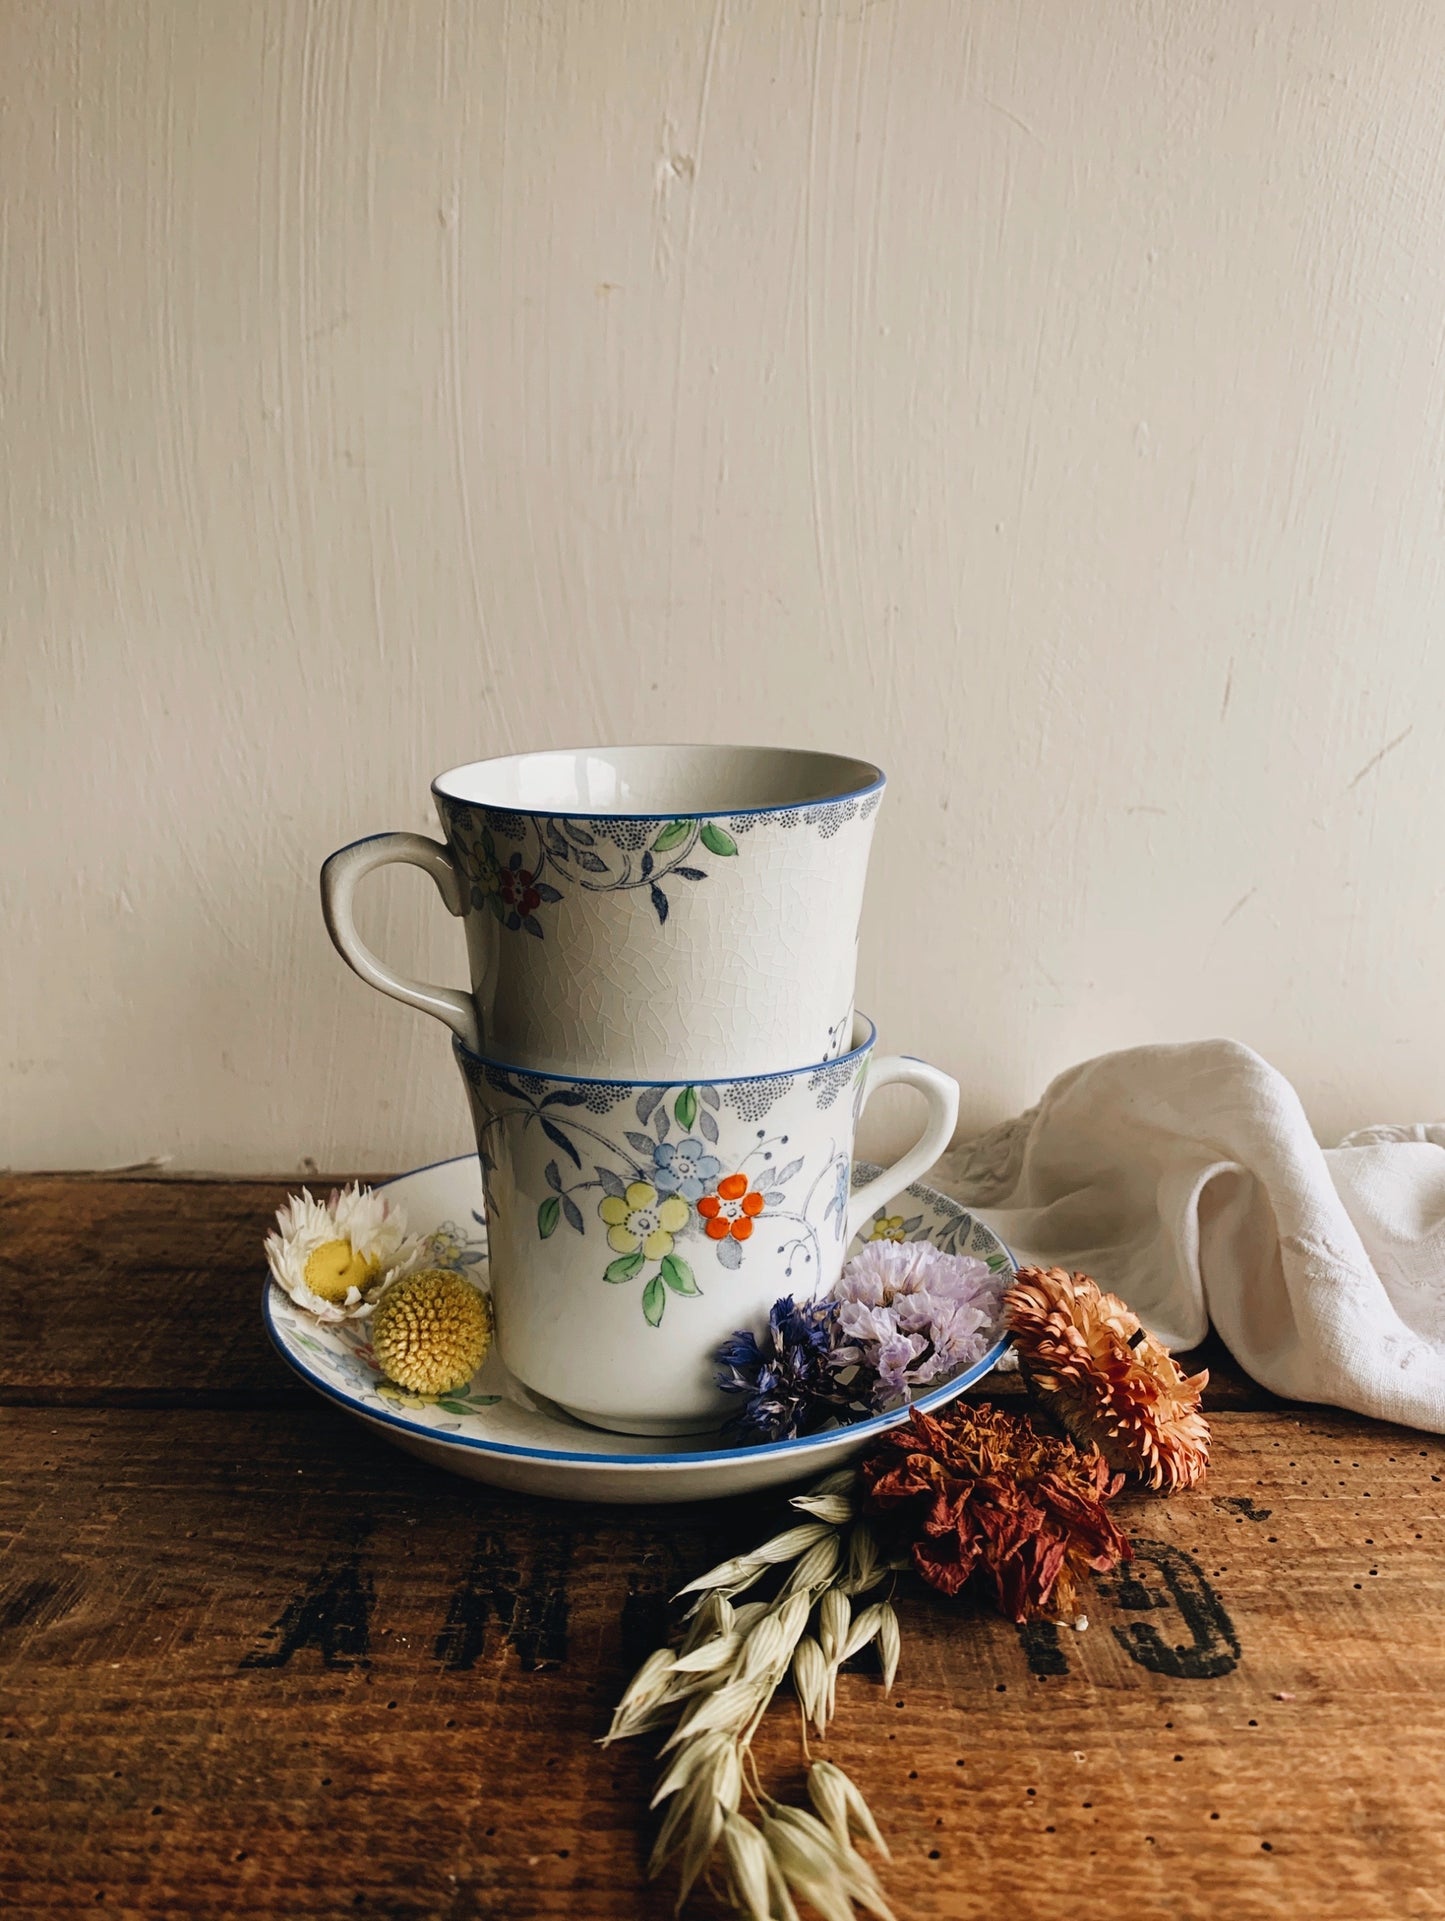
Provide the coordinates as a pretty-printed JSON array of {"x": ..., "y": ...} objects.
[{"x": 660, "y": 1050}]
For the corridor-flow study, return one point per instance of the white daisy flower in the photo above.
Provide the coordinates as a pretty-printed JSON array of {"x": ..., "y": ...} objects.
[{"x": 334, "y": 1258}]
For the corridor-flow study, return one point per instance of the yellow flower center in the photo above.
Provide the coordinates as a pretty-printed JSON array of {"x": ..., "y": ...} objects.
[{"x": 335, "y": 1268}]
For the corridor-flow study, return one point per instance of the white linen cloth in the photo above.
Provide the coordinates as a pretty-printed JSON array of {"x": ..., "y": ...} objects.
[{"x": 1187, "y": 1180}]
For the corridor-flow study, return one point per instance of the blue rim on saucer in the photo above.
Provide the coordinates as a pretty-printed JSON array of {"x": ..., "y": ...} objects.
[{"x": 336, "y": 1344}]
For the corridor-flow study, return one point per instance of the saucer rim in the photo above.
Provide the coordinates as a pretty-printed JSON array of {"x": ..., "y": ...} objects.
[{"x": 766, "y": 1450}]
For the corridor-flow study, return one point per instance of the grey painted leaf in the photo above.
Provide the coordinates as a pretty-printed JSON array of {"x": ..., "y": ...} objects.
[
  {"x": 647, "y": 1100},
  {"x": 594, "y": 863},
  {"x": 572, "y": 1213},
  {"x": 642, "y": 1142},
  {"x": 559, "y": 1139},
  {"x": 710, "y": 1095},
  {"x": 785, "y": 1174},
  {"x": 553, "y": 1178},
  {"x": 707, "y": 1124},
  {"x": 612, "y": 1184},
  {"x": 729, "y": 1253}
]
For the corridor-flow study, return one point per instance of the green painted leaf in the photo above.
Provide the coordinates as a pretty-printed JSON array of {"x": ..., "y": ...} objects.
[
  {"x": 670, "y": 836},
  {"x": 453, "y": 1407},
  {"x": 624, "y": 1267},
  {"x": 716, "y": 840},
  {"x": 678, "y": 1275},
  {"x": 654, "y": 1300},
  {"x": 685, "y": 1107},
  {"x": 547, "y": 1215},
  {"x": 996, "y": 1261}
]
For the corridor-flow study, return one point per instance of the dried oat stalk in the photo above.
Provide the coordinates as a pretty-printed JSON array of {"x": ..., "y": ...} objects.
[{"x": 710, "y": 1694}]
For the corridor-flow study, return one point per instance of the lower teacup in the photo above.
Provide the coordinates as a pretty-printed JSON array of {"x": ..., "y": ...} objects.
[{"x": 633, "y": 1225}]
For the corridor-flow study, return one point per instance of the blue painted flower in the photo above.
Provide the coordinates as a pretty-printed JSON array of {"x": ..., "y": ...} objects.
[
  {"x": 842, "y": 1190},
  {"x": 684, "y": 1167}
]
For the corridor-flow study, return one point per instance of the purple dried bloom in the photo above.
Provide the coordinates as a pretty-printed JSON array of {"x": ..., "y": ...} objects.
[
  {"x": 909, "y": 1315},
  {"x": 785, "y": 1373}
]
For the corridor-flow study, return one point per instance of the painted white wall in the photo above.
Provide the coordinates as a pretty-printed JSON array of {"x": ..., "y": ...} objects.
[{"x": 1043, "y": 400}]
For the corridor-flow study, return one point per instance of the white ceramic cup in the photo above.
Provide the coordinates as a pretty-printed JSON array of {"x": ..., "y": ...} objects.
[
  {"x": 633, "y": 1225},
  {"x": 640, "y": 911}
]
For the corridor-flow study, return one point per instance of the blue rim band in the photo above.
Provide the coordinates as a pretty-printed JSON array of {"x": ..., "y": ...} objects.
[
  {"x": 875, "y": 786},
  {"x": 702, "y": 1080}
]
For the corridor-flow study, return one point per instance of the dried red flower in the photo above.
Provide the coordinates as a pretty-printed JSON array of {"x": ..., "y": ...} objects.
[
  {"x": 1111, "y": 1384},
  {"x": 985, "y": 1495}
]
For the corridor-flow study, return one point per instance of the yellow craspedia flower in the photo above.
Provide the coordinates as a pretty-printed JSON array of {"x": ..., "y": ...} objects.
[{"x": 431, "y": 1332}]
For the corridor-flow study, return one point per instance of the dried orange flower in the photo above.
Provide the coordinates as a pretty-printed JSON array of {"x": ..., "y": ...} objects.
[
  {"x": 985, "y": 1495},
  {"x": 1111, "y": 1384}
]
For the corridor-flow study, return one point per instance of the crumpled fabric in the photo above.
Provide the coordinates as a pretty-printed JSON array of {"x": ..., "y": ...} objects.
[{"x": 1186, "y": 1179}]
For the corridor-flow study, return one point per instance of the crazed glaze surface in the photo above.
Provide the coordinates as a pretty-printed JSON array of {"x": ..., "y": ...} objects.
[
  {"x": 634, "y": 1225},
  {"x": 493, "y": 1430},
  {"x": 641, "y": 944}
]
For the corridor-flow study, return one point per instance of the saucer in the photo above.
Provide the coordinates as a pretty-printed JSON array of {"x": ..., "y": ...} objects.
[{"x": 495, "y": 1430}]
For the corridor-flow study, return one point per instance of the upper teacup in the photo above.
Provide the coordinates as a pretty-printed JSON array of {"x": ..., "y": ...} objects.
[{"x": 641, "y": 911}]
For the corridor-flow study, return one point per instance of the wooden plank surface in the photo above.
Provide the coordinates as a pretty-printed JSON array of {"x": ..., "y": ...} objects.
[{"x": 252, "y": 1661}]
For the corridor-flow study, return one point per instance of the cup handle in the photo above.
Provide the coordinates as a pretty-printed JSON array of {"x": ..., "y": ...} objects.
[
  {"x": 941, "y": 1093},
  {"x": 339, "y": 875}
]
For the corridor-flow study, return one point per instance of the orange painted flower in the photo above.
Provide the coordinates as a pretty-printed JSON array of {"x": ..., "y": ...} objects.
[{"x": 732, "y": 1210}]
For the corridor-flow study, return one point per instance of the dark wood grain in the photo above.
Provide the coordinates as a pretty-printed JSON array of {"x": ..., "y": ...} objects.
[{"x": 254, "y": 1662}]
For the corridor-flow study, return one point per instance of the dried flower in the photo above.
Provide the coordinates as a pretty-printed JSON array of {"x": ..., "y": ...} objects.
[
  {"x": 714, "y": 1691},
  {"x": 790, "y": 1386},
  {"x": 334, "y": 1257},
  {"x": 909, "y": 1314},
  {"x": 1111, "y": 1384},
  {"x": 984, "y": 1494},
  {"x": 431, "y": 1331}
]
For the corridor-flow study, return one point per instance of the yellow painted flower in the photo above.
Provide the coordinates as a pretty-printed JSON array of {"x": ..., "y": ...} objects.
[
  {"x": 639, "y": 1219},
  {"x": 887, "y": 1227}
]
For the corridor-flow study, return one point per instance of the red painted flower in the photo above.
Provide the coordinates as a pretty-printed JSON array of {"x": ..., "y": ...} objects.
[
  {"x": 732, "y": 1210},
  {"x": 518, "y": 889}
]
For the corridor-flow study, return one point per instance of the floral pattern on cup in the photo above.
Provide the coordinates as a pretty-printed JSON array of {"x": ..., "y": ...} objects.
[
  {"x": 663, "y": 1201},
  {"x": 549, "y": 852}
]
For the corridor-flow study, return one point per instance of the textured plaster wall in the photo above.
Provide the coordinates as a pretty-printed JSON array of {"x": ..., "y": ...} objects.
[{"x": 1045, "y": 400}]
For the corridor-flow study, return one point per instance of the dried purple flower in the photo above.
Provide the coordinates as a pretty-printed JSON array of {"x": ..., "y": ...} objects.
[
  {"x": 909, "y": 1315},
  {"x": 790, "y": 1387}
]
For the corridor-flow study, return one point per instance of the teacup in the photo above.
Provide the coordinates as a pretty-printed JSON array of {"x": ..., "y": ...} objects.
[
  {"x": 650, "y": 912},
  {"x": 634, "y": 1224}
]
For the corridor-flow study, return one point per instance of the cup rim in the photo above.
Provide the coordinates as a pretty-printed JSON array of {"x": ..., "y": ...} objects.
[
  {"x": 854, "y": 1053},
  {"x": 869, "y": 780}
]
